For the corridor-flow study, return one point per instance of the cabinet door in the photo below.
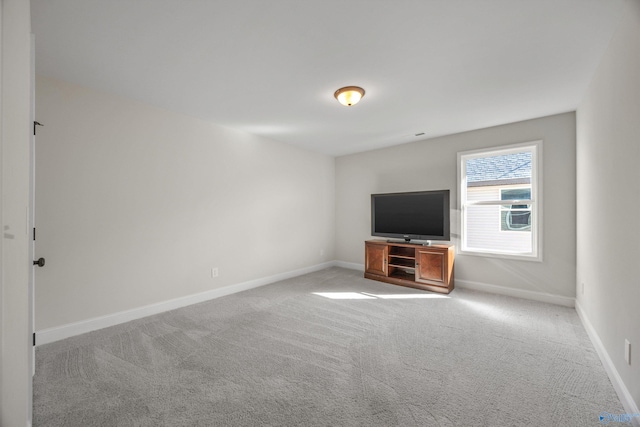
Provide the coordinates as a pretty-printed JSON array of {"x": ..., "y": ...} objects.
[
  {"x": 431, "y": 266},
  {"x": 375, "y": 259}
]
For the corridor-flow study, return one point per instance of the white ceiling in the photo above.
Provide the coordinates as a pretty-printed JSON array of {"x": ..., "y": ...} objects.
[{"x": 271, "y": 67}]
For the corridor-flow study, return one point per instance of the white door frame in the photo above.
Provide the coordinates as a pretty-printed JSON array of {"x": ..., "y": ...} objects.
[
  {"x": 32, "y": 205},
  {"x": 15, "y": 116}
]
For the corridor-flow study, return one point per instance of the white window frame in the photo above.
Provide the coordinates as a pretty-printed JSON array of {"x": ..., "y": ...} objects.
[{"x": 535, "y": 147}]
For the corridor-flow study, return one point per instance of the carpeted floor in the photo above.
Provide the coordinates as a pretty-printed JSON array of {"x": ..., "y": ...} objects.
[{"x": 330, "y": 349}]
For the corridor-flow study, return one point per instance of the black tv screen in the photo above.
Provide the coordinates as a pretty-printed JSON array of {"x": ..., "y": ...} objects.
[{"x": 420, "y": 215}]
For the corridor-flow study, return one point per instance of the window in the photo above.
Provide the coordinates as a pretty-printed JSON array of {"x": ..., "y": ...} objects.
[{"x": 489, "y": 178}]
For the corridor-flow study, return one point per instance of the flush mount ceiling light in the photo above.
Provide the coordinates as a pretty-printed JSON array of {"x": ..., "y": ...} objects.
[{"x": 349, "y": 95}]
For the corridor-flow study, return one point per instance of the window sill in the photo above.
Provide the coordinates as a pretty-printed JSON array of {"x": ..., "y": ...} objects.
[{"x": 515, "y": 257}]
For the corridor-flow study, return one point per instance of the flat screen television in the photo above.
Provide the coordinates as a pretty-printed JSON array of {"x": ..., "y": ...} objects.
[{"x": 419, "y": 215}]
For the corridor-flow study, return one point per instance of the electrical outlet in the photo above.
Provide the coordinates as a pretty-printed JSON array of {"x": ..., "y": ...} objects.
[
  {"x": 627, "y": 351},
  {"x": 214, "y": 272}
]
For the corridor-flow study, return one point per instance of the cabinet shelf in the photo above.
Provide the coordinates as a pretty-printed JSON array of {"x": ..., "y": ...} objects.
[
  {"x": 401, "y": 251},
  {"x": 402, "y": 263},
  {"x": 402, "y": 256},
  {"x": 399, "y": 274}
]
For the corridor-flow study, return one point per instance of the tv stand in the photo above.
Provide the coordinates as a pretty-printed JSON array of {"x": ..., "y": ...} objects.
[{"x": 414, "y": 265}]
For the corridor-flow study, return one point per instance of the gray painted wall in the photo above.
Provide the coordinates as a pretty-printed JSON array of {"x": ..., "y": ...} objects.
[
  {"x": 608, "y": 152},
  {"x": 136, "y": 204},
  {"x": 432, "y": 165}
]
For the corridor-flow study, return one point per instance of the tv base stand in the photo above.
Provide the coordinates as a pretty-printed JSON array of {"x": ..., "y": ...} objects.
[
  {"x": 426, "y": 242},
  {"x": 406, "y": 264}
]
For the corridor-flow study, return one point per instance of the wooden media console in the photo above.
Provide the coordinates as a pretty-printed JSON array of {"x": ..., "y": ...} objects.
[{"x": 414, "y": 265}]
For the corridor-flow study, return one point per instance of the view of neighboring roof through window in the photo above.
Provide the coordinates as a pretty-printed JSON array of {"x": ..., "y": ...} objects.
[{"x": 514, "y": 168}]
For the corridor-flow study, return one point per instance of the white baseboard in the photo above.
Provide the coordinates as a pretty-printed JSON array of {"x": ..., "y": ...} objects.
[
  {"x": 57, "y": 333},
  {"x": 623, "y": 392},
  {"x": 349, "y": 265},
  {"x": 518, "y": 293}
]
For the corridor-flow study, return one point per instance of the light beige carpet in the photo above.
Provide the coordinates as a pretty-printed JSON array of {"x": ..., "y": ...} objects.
[{"x": 330, "y": 349}]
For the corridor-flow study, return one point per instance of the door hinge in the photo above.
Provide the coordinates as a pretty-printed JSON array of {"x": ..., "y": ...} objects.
[
  {"x": 36, "y": 124},
  {"x": 34, "y": 339},
  {"x": 34, "y": 233}
]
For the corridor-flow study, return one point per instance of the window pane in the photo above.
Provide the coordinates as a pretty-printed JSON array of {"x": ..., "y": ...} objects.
[
  {"x": 516, "y": 194},
  {"x": 515, "y": 220},
  {"x": 515, "y": 217},
  {"x": 483, "y": 232}
]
